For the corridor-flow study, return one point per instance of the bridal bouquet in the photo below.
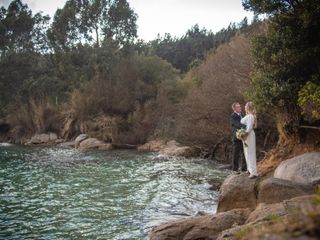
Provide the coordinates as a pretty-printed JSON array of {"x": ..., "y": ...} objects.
[{"x": 241, "y": 134}]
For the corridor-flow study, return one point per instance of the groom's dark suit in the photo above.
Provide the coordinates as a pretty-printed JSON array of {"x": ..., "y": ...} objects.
[{"x": 237, "y": 156}]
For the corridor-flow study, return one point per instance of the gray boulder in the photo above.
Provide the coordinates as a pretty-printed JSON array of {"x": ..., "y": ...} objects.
[{"x": 303, "y": 169}]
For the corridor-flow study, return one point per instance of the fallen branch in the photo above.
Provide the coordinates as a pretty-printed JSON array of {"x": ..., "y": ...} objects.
[{"x": 311, "y": 127}]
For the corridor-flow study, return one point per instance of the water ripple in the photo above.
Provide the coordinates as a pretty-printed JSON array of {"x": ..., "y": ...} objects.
[{"x": 52, "y": 193}]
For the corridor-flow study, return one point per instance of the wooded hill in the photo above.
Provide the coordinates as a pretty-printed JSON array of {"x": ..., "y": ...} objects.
[
  {"x": 88, "y": 72},
  {"x": 85, "y": 72}
]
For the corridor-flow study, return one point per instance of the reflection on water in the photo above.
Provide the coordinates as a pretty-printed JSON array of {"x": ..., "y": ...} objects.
[{"x": 53, "y": 193}]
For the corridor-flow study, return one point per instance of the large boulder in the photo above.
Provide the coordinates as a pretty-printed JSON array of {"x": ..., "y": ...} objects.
[
  {"x": 274, "y": 190},
  {"x": 296, "y": 218},
  {"x": 203, "y": 227},
  {"x": 93, "y": 143},
  {"x": 303, "y": 169},
  {"x": 237, "y": 191},
  {"x": 43, "y": 138},
  {"x": 79, "y": 139}
]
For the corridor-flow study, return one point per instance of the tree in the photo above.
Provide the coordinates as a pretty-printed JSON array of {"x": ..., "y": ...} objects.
[
  {"x": 286, "y": 57},
  {"x": 183, "y": 52},
  {"x": 93, "y": 21},
  {"x": 20, "y": 31}
]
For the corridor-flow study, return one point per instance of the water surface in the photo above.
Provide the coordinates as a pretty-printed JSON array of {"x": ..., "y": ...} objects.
[{"x": 52, "y": 193}]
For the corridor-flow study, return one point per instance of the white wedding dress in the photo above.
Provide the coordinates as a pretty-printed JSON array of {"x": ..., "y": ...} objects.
[{"x": 250, "y": 150}]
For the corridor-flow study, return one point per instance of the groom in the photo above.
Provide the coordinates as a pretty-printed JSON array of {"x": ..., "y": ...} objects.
[{"x": 237, "y": 147}]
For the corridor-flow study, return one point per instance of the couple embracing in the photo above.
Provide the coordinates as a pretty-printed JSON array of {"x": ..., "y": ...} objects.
[{"x": 247, "y": 145}]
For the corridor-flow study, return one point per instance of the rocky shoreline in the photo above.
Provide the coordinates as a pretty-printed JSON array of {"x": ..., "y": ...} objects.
[
  {"x": 284, "y": 205},
  {"x": 85, "y": 142}
]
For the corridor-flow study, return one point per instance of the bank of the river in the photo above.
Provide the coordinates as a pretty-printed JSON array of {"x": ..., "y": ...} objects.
[
  {"x": 51, "y": 192},
  {"x": 85, "y": 142}
]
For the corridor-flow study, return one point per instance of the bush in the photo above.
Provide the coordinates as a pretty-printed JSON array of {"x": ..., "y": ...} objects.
[{"x": 309, "y": 101}]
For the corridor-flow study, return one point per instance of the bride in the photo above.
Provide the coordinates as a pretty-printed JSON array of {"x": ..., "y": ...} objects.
[{"x": 250, "y": 121}]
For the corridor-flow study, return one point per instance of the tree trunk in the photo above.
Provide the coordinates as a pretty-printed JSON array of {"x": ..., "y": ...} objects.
[{"x": 97, "y": 36}]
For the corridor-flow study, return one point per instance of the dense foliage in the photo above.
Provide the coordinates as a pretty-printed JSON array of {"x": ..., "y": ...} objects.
[
  {"x": 287, "y": 61},
  {"x": 189, "y": 50},
  {"x": 87, "y": 64}
]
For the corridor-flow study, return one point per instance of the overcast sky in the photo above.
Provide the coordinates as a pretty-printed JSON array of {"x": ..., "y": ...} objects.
[{"x": 166, "y": 16}]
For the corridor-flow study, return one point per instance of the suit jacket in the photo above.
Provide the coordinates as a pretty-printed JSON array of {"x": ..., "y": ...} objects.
[{"x": 235, "y": 125}]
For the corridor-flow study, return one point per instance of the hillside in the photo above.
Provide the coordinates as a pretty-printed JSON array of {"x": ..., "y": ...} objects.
[{"x": 223, "y": 78}]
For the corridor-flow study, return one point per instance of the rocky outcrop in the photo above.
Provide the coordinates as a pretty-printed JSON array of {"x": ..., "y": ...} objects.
[
  {"x": 266, "y": 212},
  {"x": 93, "y": 143},
  {"x": 237, "y": 191},
  {"x": 304, "y": 169},
  {"x": 43, "y": 138},
  {"x": 290, "y": 219},
  {"x": 79, "y": 139},
  {"x": 204, "y": 227},
  {"x": 170, "y": 148},
  {"x": 274, "y": 190},
  {"x": 269, "y": 208},
  {"x": 83, "y": 142}
]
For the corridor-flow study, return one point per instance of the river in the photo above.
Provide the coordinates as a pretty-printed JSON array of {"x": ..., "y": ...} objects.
[{"x": 55, "y": 193}]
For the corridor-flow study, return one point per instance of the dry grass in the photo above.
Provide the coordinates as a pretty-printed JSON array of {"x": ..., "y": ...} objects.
[
  {"x": 33, "y": 117},
  {"x": 275, "y": 156}
]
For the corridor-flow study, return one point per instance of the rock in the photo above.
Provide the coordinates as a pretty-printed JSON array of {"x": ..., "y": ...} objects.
[
  {"x": 178, "y": 151},
  {"x": 106, "y": 146},
  {"x": 171, "y": 148},
  {"x": 79, "y": 139},
  {"x": 152, "y": 146},
  {"x": 66, "y": 144},
  {"x": 267, "y": 212},
  {"x": 306, "y": 204},
  {"x": 215, "y": 184},
  {"x": 43, "y": 138},
  {"x": 291, "y": 219},
  {"x": 53, "y": 137},
  {"x": 93, "y": 143},
  {"x": 303, "y": 169},
  {"x": 58, "y": 141},
  {"x": 237, "y": 191},
  {"x": 274, "y": 190},
  {"x": 203, "y": 227}
]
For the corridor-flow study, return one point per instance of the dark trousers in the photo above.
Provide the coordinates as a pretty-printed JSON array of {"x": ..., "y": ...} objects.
[{"x": 238, "y": 156}]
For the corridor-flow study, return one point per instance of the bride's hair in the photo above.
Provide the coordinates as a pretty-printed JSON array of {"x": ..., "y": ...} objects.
[{"x": 251, "y": 109}]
